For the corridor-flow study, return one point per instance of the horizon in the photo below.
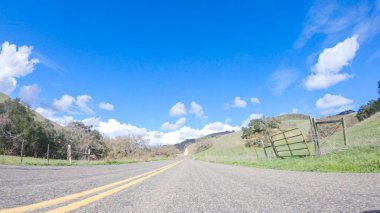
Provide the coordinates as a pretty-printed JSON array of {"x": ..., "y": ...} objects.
[{"x": 173, "y": 71}]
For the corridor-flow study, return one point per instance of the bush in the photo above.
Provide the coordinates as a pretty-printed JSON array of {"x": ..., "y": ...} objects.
[
  {"x": 366, "y": 111},
  {"x": 256, "y": 130}
]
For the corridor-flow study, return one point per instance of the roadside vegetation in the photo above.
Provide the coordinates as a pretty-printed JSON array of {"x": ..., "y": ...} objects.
[
  {"x": 23, "y": 129},
  {"x": 362, "y": 154}
]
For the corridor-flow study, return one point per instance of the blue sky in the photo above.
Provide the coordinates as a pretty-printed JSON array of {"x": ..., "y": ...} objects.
[{"x": 144, "y": 59}]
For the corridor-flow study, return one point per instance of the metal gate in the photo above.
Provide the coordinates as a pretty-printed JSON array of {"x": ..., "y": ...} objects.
[{"x": 289, "y": 143}]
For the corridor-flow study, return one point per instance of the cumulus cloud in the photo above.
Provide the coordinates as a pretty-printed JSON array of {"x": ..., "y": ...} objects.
[
  {"x": 255, "y": 100},
  {"x": 251, "y": 117},
  {"x": 106, "y": 106},
  {"x": 14, "y": 63},
  {"x": 92, "y": 121},
  {"x": 238, "y": 103},
  {"x": 51, "y": 115},
  {"x": 178, "y": 124},
  {"x": 327, "y": 71},
  {"x": 113, "y": 128},
  {"x": 63, "y": 104},
  {"x": 28, "y": 94},
  {"x": 333, "y": 104},
  {"x": 186, "y": 132},
  {"x": 177, "y": 110},
  {"x": 294, "y": 111},
  {"x": 82, "y": 101},
  {"x": 197, "y": 109}
]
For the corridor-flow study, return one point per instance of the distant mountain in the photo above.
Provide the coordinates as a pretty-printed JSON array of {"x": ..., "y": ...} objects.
[
  {"x": 346, "y": 112},
  {"x": 181, "y": 146}
]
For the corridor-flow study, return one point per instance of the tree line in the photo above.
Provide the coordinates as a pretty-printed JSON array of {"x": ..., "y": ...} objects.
[{"x": 21, "y": 125}]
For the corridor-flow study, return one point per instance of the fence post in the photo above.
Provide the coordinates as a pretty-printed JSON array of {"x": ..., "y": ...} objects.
[
  {"x": 47, "y": 155},
  {"x": 318, "y": 150},
  {"x": 22, "y": 149},
  {"x": 313, "y": 134},
  {"x": 344, "y": 132},
  {"x": 89, "y": 153},
  {"x": 265, "y": 151},
  {"x": 69, "y": 153}
]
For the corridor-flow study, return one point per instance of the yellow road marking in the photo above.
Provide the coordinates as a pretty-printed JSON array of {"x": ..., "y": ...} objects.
[
  {"x": 52, "y": 202},
  {"x": 99, "y": 196}
]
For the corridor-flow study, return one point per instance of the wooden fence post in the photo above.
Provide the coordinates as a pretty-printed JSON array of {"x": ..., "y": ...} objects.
[
  {"x": 47, "y": 155},
  {"x": 318, "y": 150},
  {"x": 313, "y": 134},
  {"x": 344, "y": 132},
  {"x": 69, "y": 153},
  {"x": 22, "y": 149},
  {"x": 88, "y": 154},
  {"x": 265, "y": 151}
]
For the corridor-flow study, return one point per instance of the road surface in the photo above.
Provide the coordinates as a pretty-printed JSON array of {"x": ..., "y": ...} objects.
[{"x": 183, "y": 186}]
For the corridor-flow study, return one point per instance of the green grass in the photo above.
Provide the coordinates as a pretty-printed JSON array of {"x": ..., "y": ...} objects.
[
  {"x": 362, "y": 160},
  {"x": 362, "y": 154},
  {"x": 30, "y": 161}
]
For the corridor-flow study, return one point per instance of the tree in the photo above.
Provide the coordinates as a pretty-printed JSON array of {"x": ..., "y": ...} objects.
[
  {"x": 255, "y": 133},
  {"x": 366, "y": 111},
  {"x": 84, "y": 137}
]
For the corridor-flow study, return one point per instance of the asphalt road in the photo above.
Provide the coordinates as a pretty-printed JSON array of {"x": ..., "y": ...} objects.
[{"x": 189, "y": 186}]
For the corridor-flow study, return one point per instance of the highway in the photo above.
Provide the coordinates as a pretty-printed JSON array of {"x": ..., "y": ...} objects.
[{"x": 183, "y": 186}]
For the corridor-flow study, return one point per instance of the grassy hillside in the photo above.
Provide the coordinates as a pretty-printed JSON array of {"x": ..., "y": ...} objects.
[
  {"x": 3, "y": 97},
  {"x": 365, "y": 133},
  {"x": 37, "y": 116},
  {"x": 231, "y": 147},
  {"x": 362, "y": 154}
]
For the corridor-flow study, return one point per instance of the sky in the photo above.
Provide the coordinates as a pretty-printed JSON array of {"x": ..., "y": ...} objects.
[{"x": 174, "y": 70}]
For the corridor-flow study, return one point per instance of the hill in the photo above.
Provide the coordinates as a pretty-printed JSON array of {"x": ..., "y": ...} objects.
[
  {"x": 362, "y": 154},
  {"x": 3, "y": 97},
  {"x": 181, "y": 146},
  {"x": 232, "y": 146}
]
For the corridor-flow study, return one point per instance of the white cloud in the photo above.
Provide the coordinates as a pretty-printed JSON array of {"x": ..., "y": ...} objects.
[
  {"x": 178, "y": 109},
  {"x": 92, "y": 121},
  {"x": 281, "y": 79},
  {"x": 63, "y": 104},
  {"x": 255, "y": 100},
  {"x": 82, "y": 101},
  {"x": 294, "y": 111},
  {"x": 186, "y": 132},
  {"x": 14, "y": 63},
  {"x": 28, "y": 94},
  {"x": 51, "y": 115},
  {"x": 106, "y": 106},
  {"x": 326, "y": 72},
  {"x": 251, "y": 117},
  {"x": 333, "y": 104},
  {"x": 178, "y": 124},
  {"x": 113, "y": 128},
  {"x": 239, "y": 103},
  {"x": 47, "y": 113},
  {"x": 197, "y": 109}
]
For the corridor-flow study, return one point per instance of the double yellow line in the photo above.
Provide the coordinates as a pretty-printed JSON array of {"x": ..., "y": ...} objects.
[{"x": 75, "y": 205}]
